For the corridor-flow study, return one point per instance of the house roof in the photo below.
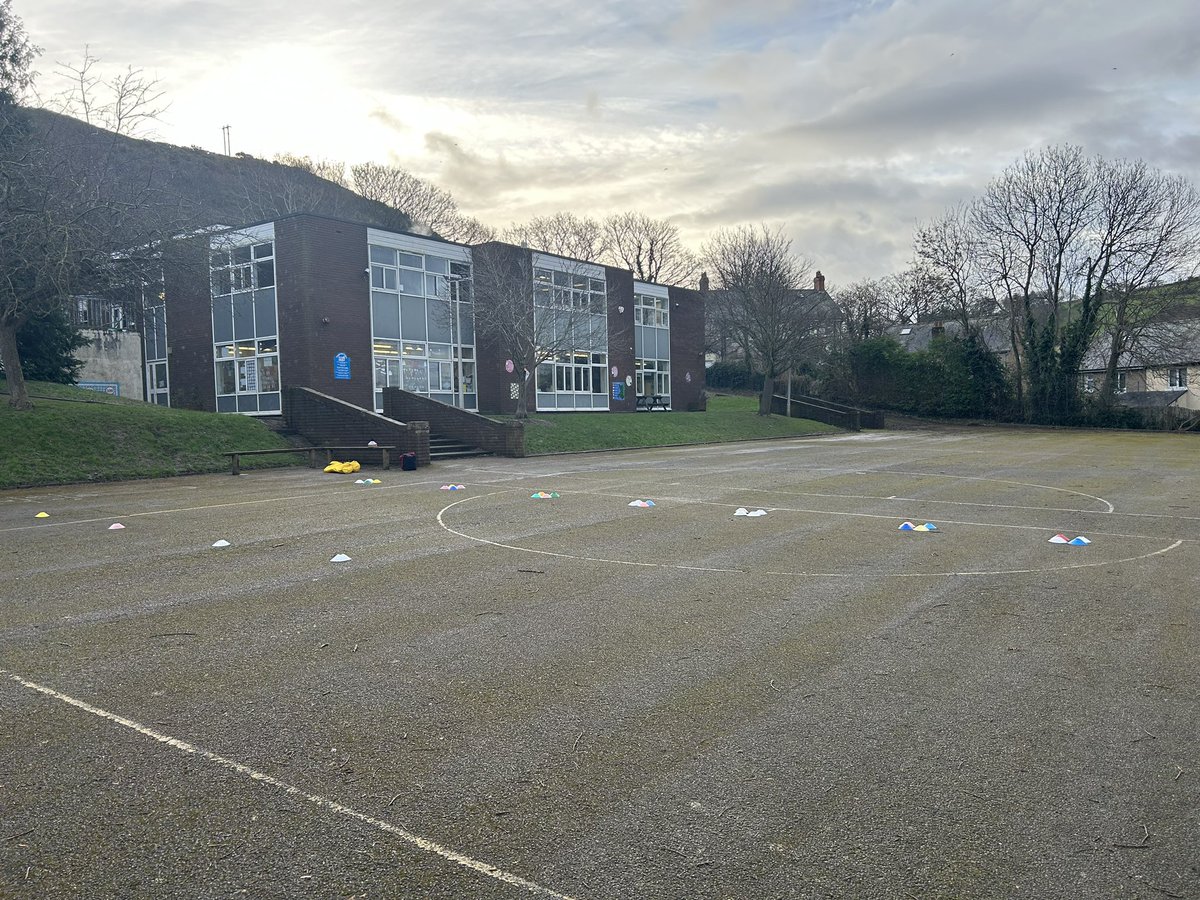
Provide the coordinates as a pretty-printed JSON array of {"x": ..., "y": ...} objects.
[
  {"x": 1159, "y": 344},
  {"x": 1150, "y": 399},
  {"x": 919, "y": 335}
]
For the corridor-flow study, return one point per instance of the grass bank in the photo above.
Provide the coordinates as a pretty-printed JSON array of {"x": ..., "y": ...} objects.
[
  {"x": 74, "y": 435},
  {"x": 729, "y": 418}
]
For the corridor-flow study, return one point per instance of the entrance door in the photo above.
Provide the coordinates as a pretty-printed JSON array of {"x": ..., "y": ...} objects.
[{"x": 156, "y": 384}]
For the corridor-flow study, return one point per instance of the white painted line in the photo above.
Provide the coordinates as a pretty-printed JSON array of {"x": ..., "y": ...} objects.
[
  {"x": 415, "y": 840},
  {"x": 732, "y": 571}
]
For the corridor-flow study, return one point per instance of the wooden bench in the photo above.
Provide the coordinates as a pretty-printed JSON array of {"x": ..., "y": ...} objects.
[
  {"x": 649, "y": 401},
  {"x": 235, "y": 456}
]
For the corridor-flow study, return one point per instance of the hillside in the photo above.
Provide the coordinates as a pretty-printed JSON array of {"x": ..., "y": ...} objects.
[
  {"x": 209, "y": 188},
  {"x": 73, "y": 435}
]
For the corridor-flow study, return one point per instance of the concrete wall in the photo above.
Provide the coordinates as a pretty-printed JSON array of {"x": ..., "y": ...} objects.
[{"x": 113, "y": 356}]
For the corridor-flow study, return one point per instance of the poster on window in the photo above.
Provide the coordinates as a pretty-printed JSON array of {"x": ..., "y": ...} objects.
[{"x": 249, "y": 383}]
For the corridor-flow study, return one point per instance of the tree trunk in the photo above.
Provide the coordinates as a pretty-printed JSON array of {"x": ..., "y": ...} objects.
[
  {"x": 18, "y": 395},
  {"x": 764, "y": 399}
]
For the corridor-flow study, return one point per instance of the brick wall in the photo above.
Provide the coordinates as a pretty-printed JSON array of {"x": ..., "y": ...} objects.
[
  {"x": 323, "y": 419},
  {"x": 620, "y": 336},
  {"x": 494, "y": 381},
  {"x": 687, "y": 349},
  {"x": 324, "y": 301},
  {"x": 501, "y": 438},
  {"x": 189, "y": 324}
]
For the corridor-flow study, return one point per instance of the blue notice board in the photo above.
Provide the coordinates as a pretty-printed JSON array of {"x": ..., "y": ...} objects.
[
  {"x": 618, "y": 390},
  {"x": 341, "y": 367}
]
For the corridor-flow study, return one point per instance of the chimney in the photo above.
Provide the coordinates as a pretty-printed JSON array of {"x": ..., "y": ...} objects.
[
  {"x": 819, "y": 281},
  {"x": 704, "y": 282}
]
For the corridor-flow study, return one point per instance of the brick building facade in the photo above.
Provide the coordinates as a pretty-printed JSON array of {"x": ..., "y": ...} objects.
[{"x": 348, "y": 310}]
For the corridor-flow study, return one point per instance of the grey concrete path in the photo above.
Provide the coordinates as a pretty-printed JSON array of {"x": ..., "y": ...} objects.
[{"x": 503, "y": 697}]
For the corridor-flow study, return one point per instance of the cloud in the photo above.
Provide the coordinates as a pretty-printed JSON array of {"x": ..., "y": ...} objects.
[{"x": 845, "y": 121}]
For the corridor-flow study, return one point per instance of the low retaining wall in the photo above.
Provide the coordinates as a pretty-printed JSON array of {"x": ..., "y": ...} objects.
[
  {"x": 849, "y": 417},
  {"x": 501, "y": 438},
  {"x": 325, "y": 420}
]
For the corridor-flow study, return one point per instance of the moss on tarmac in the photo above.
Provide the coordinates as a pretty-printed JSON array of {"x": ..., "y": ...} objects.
[{"x": 610, "y": 701}]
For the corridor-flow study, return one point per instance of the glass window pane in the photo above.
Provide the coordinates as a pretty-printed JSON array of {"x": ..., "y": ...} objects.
[
  {"x": 262, "y": 251},
  {"x": 268, "y": 402},
  {"x": 264, "y": 274},
  {"x": 227, "y": 404},
  {"x": 241, "y": 254},
  {"x": 385, "y": 348},
  {"x": 412, "y": 318},
  {"x": 466, "y": 320},
  {"x": 243, "y": 316},
  {"x": 439, "y": 351},
  {"x": 411, "y": 349},
  {"x": 221, "y": 283},
  {"x": 226, "y": 377},
  {"x": 437, "y": 264},
  {"x": 264, "y": 313},
  {"x": 385, "y": 256},
  {"x": 416, "y": 376},
  {"x": 268, "y": 346},
  {"x": 268, "y": 373},
  {"x": 411, "y": 282},
  {"x": 222, "y": 319},
  {"x": 545, "y": 377},
  {"x": 385, "y": 314},
  {"x": 436, "y": 286},
  {"x": 439, "y": 321},
  {"x": 414, "y": 260}
]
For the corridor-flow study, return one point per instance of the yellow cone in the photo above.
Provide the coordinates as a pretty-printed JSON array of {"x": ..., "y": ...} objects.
[{"x": 42, "y": 515}]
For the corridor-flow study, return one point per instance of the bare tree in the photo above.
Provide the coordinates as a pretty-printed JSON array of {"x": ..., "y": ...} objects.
[
  {"x": 1069, "y": 246},
  {"x": 949, "y": 248},
  {"x": 650, "y": 248},
  {"x": 1148, "y": 233},
  {"x": 863, "y": 307},
  {"x": 467, "y": 230},
  {"x": 128, "y": 102},
  {"x": 330, "y": 169},
  {"x": 421, "y": 201},
  {"x": 563, "y": 234},
  {"x": 766, "y": 306},
  {"x": 525, "y": 320}
]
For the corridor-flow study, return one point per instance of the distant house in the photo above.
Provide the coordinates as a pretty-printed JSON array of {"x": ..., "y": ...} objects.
[
  {"x": 1159, "y": 371},
  {"x": 721, "y": 341},
  {"x": 919, "y": 335}
]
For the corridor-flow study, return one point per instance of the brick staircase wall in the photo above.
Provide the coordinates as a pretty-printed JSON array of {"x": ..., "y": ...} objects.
[
  {"x": 501, "y": 438},
  {"x": 327, "y": 420}
]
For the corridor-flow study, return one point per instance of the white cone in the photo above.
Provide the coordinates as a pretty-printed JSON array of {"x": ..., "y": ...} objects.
[
  {"x": 115, "y": 526},
  {"x": 741, "y": 511},
  {"x": 757, "y": 512},
  {"x": 341, "y": 557},
  {"x": 221, "y": 543}
]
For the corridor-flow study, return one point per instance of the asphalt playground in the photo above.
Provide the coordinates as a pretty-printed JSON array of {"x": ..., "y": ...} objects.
[{"x": 499, "y": 696}]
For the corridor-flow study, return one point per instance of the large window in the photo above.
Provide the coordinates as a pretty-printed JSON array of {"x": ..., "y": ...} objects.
[
  {"x": 245, "y": 325},
  {"x": 154, "y": 338},
  {"x": 1177, "y": 377},
  {"x": 422, "y": 318},
  {"x": 570, "y": 317},
  {"x": 652, "y": 341}
]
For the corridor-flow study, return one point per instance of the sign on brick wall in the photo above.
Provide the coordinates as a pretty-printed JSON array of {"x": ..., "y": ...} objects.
[{"x": 341, "y": 367}]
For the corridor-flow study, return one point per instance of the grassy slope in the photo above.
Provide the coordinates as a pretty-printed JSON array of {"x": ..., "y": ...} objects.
[
  {"x": 110, "y": 438},
  {"x": 728, "y": 419}
]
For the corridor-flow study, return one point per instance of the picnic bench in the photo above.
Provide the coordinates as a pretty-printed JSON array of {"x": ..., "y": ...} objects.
[
  {"x": 649, "y": 401},
  {"x": 235, "y": 456}
]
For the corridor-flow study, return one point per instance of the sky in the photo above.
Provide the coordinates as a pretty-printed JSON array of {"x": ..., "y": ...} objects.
[{"x": 844, "y": 123}]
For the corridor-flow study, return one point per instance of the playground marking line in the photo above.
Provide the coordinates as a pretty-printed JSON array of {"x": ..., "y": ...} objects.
[
  {"x": 741, "y": 571},
  {"x": 415, "y": 840}
]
